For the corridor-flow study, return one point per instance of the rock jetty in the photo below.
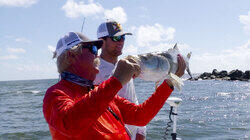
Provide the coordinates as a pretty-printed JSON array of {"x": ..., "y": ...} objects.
[{"x": 224, "y": 75}]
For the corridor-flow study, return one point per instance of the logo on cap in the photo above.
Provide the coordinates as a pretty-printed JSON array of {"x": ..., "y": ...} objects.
[{"x": 117, "y": 26}]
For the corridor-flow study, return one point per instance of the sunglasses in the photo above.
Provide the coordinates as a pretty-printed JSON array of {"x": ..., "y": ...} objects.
[
  {"x": 118, "y": 38},
  {"x": 92, "y": 48}
]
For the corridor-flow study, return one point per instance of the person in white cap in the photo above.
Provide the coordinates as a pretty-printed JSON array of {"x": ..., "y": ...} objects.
[
  {"x": 75, "y": 109},
  {"x": 113, "y": 37}
]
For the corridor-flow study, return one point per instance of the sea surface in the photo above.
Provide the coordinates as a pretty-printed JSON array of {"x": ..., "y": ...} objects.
[{"x": 210, "y": 110}]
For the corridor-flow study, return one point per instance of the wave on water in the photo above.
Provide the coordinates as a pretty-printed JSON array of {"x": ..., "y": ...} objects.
[
  {"x": 29, "y": 91},
  {"x": 247, "y": 93},
  {"x": 198, "y": 98},
  {"x": 211, "y": 110},
  {"x": 223, "y": 93}
]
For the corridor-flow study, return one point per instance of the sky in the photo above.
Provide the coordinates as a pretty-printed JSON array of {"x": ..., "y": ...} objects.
[{"x": 217, "y": 32}]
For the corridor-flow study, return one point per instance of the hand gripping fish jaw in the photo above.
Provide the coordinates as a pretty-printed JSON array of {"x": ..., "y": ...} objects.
[{"x": 177, "y": 82}]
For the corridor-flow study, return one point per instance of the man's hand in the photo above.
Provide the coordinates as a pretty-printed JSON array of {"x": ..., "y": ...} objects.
[
  {"x": 126, "y": 69},
  {"x": 180, "y": 71}
]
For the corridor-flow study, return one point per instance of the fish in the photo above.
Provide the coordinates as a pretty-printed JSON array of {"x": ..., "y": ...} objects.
[{"x": 157, "y": 66}]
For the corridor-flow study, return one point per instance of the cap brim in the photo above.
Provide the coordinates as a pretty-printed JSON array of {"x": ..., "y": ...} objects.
[
  {"x": 121, "y": 33},
  {"x": 98, "y": 43}
]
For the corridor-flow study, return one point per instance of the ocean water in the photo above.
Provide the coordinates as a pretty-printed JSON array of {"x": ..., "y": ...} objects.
[{"x": 210, "y": 110}]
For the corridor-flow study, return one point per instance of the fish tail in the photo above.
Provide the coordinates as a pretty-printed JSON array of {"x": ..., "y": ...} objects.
[
  {"x": 189, "y": 72},
  {"x": 187, "y": 69}
]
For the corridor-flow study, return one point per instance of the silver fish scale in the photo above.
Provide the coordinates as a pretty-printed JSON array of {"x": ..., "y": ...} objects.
[
  {"x": 157, "y": 66},
  {"x": 153, "y": 67}
]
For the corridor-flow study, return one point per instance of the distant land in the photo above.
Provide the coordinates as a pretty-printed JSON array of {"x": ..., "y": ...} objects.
[{"x": 224, "y": 75}]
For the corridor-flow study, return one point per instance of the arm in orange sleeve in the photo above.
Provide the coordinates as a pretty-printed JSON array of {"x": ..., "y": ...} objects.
[
  {"x": 142, "y": 114},
  {"x": 69, "y": 116}
]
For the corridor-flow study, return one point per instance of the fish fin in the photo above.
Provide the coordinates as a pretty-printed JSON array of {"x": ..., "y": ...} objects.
[
  {"x": 175, "y": 46},
  {"x": 189, "y": 72},
  {"x": 177, "y": 82},
  {"x": 187, "y": 65}
]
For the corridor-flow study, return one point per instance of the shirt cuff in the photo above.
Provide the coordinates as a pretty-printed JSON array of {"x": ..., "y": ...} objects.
[{"x": 165, "y": 82}]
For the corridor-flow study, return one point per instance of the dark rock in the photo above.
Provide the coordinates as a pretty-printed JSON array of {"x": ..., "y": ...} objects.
[
  {"x": 213, "y": 77},
  {"x": 247, "y": 75},
  {"x": 196, "y": 78},
  {"x": 215, "y": 72},
  {"x": 223, "y": 73},
  {"x": 192, "y": 79},
  {"x": 235, "y": 74},
  {"x": 226, "y": 78},
  {"x": 205, "y": 75},
  {"x": 218, "y": 79}
]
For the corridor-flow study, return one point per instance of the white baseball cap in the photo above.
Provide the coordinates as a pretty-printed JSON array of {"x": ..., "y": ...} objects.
[{"x": 71, "y": 39}]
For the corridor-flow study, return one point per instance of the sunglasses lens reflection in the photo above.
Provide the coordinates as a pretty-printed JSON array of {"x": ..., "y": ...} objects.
[
  {"x": 118, "y": 38},
  {"x": 94, "y": 50}
]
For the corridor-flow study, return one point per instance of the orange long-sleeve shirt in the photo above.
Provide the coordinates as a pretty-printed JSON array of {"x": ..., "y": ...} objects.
[{"x": 73, "y": 112}]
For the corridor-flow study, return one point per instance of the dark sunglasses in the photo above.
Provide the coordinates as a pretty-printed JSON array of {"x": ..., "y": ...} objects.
[
  {"x": 118, "y": 38},
  {"x": 92, "y": 48}
]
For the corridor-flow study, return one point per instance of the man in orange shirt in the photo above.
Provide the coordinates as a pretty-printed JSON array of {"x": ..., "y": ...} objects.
[{"x": 75, "y": 109}]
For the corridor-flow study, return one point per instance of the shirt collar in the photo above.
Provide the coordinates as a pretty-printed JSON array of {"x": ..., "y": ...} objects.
[{"x": 76, "y": 79}]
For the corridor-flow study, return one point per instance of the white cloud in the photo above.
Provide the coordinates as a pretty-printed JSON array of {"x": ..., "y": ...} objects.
[
  {"x": 51, "y": 48},
  {"x": 132, "y": 28},
  {"x": 116, "y": 14},
  {"x": 35, "y": 68},
  {"x": 147, "y": 34},
  {"x": 245, "y": 19},
  {"x": 92, "y": 9},
  {"x": 16, "y": 50},
  {"x": 24, "y": 40},
  {"x": 8, "y": 57},
  {"x": 32, "y": 70},
  {"x": 160, "y": 47},
  {"x": 74, "y": 9},
  {"x": 155, "y": 38},
  {"x": 17, "y": 3},
  {"x": 130, "y": 50},
  {"x": 29, "y": 69},
  {"x": 237, "y": 58}
]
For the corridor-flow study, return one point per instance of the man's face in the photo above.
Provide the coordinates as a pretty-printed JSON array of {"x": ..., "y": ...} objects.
[
  {"x": 87, "y": 63},
  {"x": 113, "y": 48}
]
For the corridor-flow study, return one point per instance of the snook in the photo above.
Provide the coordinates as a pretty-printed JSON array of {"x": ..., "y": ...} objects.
[{"x": 158, "y": 66}]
